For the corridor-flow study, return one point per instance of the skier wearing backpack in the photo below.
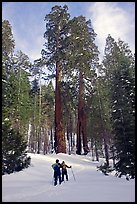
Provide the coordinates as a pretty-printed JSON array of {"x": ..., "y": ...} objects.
[
  {"x": 64, "y": 170},
  {"x": 57, "y": 173}
]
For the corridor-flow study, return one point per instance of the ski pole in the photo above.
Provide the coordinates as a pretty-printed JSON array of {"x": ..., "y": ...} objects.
[{"x": 73, "y": 174}]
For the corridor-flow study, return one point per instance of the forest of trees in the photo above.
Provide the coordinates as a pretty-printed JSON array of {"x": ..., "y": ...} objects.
[{"x": 68, "y": 101}]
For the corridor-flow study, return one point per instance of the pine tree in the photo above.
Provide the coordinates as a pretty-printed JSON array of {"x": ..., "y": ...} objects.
[
  {"x": 21, "y": 88},
  {"x": 123, "y": 103},
  {"x": 13, "y": 142},
  {"x": 8, "y": 45},
  {"x": 119, "y": 65},
  {"x": 98, "y": 116},
  {"x": 13, "y": 149}
]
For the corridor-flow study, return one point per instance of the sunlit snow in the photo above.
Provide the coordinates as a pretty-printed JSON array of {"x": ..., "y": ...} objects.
[{"x": 86, "y": 184}]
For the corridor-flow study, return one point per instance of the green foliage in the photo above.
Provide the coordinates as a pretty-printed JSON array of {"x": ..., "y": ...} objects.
[
  {"x": 7, "y": 51},
  {"x": 119, "y": 70},
  {"x": 81, "y": 51},
  {"x": 124, "y": 124},
  {"x": 109, "y": 98},
  {"x": 14, "y": 155},
  {"x": 8, "y": 42},
  {"x": 48, "y": 102},
  {"x": 35, "y": 87},
  {"x": 55, "y": 36},
  {"x": 15, "y": 103}
]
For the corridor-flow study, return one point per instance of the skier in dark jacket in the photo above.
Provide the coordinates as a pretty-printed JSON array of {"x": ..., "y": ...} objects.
[
  {"x": 57, "y": 172},
  {"x": 64, "y": 170}
]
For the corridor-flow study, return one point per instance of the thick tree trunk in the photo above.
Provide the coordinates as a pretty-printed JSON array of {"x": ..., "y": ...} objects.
[
  {"x": 81, "y": 129},
  {"x": 60, "y": 143}
]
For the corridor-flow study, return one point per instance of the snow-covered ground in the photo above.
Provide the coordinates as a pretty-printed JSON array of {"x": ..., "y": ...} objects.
[{"x": 86, "y": 184}]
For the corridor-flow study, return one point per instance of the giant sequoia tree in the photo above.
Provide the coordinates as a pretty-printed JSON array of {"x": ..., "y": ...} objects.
[
  {"x": 55, "y": 34},
  {"x": 71, "y": 51},
  {"x": 82, "y": 61}
]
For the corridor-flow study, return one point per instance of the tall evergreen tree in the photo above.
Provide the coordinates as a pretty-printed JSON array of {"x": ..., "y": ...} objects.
[
  {"x": 8, "y": 45},
  {"x": 99, "y": 117},
  {"x": 119, "y": 66},
  {"x": 82, "y": 61},
  {"x": 54, "y": 35},
  {"x": 13, "y": 142},
  {"x": 104, "y": 112},
  {"x": 21, "y": 98},
  {"x": 34, "y": 93}
]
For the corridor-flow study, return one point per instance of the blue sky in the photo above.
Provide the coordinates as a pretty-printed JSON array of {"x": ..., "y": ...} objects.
[{"x": 28, "y": 25}]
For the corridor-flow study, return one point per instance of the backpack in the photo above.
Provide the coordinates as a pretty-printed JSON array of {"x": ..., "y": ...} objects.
[{"x": 55, "y": 167}]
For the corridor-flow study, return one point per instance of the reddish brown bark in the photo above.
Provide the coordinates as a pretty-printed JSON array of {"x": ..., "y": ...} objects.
[
  {"x": 81, "y": 126},
  {"x": 60, "y": 143}
]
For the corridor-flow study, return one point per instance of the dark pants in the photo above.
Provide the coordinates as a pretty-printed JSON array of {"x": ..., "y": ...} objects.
[
  {"x": 57, "y": 176},
  {"x": 64, "y": 172}
]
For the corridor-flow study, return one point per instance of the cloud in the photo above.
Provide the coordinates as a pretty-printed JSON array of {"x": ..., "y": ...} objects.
[
  {"x": 111, "y": 18},
  {"x": 32, "y": 41},
  {"x": 28, "y": 26}
]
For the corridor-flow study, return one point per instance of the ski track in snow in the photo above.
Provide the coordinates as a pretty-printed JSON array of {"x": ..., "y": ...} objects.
[{"x": 35, "y": 184}]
